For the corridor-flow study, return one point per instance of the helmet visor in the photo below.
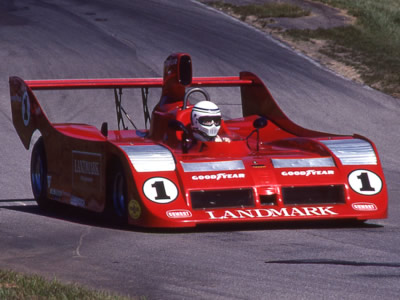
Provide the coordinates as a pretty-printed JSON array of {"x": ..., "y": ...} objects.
[{"x": 210, "y": 120}]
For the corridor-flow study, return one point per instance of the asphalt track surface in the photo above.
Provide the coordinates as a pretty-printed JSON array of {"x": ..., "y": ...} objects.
[{"x": 96, "y": 39}]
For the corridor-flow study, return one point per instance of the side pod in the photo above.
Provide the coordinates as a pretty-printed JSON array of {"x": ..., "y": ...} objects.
[{"x": 27, "y": 113}]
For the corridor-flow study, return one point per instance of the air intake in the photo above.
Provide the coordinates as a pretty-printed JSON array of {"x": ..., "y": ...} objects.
[
  {"x": 329, "y": 194},
  {"x": 222, "y": 198}
]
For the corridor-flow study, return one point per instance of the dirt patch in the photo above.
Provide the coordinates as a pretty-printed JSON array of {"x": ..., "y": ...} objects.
[{"x": 321, "y": 16}]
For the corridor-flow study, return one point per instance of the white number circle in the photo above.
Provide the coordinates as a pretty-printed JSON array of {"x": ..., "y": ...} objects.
[
  {"x": 365, "y": 182},
  {"x": 160, "y": 190}
]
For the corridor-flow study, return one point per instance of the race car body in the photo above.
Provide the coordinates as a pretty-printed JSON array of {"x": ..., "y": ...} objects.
[{"x": 265, "y": 168}]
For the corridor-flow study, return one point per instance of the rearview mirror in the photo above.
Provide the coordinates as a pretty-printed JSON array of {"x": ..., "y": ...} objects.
[{"x": 260, "y": 122}]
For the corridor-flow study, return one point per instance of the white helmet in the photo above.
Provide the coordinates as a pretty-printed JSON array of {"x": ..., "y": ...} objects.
[{"x": 206, "y": 120}]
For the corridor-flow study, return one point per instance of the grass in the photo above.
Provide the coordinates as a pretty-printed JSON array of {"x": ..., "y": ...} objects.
[
  {"x": 371, "y": 45},
  {"x": 17, "y": 286},
  {"x": 260, "y": 11}
]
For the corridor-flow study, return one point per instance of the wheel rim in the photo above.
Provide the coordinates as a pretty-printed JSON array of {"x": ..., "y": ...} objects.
[
  {"x": 37, "y": 176},
  {"x": 119, "y": 195}
]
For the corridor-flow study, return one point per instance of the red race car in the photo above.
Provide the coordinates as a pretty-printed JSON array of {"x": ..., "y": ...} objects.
[{"x": 193, "y": 167}]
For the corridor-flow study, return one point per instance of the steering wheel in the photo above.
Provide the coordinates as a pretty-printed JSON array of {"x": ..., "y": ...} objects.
[{"x": 195, "y": 90}]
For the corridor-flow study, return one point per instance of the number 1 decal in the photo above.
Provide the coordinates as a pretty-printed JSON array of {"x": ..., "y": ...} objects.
[
  {"x": 160, "y": 190},
  {"x": 365, "y": 182}
]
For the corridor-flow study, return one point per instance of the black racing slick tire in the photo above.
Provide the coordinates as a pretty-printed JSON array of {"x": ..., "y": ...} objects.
[
  {"x": 39, "y": 174},
  {"x": 118, "y": 195}
]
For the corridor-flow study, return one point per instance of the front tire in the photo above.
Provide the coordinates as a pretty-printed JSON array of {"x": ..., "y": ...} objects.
[{"x": 39, "y": 174}]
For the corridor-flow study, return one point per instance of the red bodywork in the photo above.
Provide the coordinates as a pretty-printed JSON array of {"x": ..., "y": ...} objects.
[{"x": 287, "y": 173}]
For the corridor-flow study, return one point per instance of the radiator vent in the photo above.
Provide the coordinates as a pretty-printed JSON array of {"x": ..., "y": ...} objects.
[
  {"x": 222, "y": 198},
  {"x": 329, "y": 194}
]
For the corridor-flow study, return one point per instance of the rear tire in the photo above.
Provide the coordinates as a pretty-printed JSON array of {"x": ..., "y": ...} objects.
[
  {"x": 118, "y": 195},
  {"x": 39, "y": 174}
]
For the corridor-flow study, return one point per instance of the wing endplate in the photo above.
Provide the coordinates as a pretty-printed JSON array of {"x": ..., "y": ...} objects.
[{"x": 27, "y": 114}]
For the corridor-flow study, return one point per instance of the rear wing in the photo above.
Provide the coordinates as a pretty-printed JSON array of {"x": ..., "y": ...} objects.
[{"x": 68, "y": 84}]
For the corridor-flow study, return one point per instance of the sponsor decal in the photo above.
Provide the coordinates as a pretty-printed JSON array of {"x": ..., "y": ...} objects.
[
  {"x": 219, "y": 176},
  {"x": 258, "y": 166},
  {"x": 86, "y": 171},
  {"x": 134, "y": 209},
  {"x": 160, "y": 190},
  {"x": 48, "y": 180},
  {"x": 365, "y": 182},
  {"x": 26, "y": 109},
  {"x": 87, "y": 167},
  {"x": 307, "y": 173},
  {"x": 56, "y": 192},
  {"x": 179, "y": 213},
  {"x": 76, "y": 201},
  {"x": 364, "y": 206},
  {"x": 263, "y": 213}
]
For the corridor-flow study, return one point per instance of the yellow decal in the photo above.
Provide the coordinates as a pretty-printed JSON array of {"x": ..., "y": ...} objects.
[{"x": 134, "y": 209}]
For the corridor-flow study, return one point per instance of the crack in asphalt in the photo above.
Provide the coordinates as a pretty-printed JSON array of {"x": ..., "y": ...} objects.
[
  {"x": 335, "y": 262},
  {"x": 77, "y": 252}
]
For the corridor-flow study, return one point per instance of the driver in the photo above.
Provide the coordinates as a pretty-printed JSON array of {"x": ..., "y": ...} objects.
[{"x": 206, "y": 122}]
